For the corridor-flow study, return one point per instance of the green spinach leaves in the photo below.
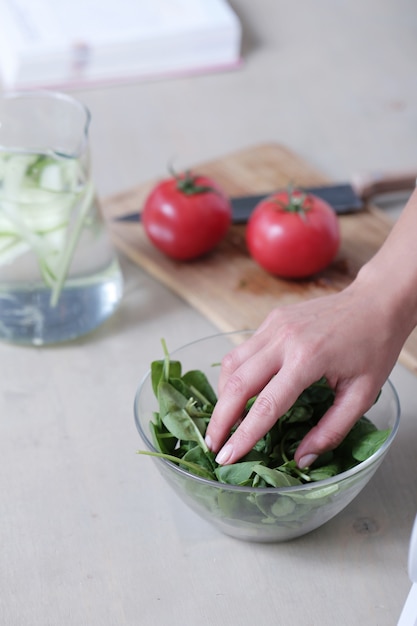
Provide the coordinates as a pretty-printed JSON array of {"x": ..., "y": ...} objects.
[{"x": 186, "y": 402}]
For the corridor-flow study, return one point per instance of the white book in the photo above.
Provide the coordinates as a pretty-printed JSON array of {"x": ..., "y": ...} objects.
[{"x": 51, "y": 43}]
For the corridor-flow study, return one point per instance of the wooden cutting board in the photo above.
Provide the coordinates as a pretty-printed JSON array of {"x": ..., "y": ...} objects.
[{"x": 227, "y": 286}]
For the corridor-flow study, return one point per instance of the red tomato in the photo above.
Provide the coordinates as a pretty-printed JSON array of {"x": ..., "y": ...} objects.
[
  {"x": 292, "y": 234},
  {"x": 186, "y": 216}
]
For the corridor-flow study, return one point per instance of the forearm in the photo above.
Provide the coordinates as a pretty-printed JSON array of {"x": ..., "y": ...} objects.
[{"x": 391, "y": 275}]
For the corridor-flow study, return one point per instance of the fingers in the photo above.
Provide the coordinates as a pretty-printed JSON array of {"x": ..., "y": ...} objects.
[
  {"x": 277, "y": 393},
  {"x": 233, "y": 360},
  {"x": 245, "y": 372}
]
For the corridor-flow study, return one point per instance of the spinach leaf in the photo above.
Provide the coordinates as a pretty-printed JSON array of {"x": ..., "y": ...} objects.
[
  {"x": 175, "y": 417},
  {"x": 201, "y": 458},
  {"x": 325, "y": 471},
  {"x": 199, "y": 384},
  {"x": 237, "y": 473},
  {"x": 160, "y": 373},
  {"x": 367, "y": 445},
  {"x": 163, "y": 439},
  {"x": 275, "y": 478},
  {"x": 194, "y": 468}
]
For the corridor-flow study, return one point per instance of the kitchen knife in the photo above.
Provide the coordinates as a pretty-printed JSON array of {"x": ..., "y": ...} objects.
[{"x": 343, "y": 197}]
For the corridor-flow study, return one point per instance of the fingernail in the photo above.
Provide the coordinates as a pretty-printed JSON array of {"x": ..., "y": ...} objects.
[
  {"x": 224, "y": 454},
  {"x": 307, "y": 460},
  {"x": 209, "y": 442}
]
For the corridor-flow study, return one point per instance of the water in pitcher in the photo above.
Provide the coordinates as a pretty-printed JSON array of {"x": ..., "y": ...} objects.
[{"x": 59, "y": 275}]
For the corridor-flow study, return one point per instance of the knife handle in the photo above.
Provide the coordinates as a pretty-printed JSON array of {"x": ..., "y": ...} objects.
[{"x": 376, "y": 183}]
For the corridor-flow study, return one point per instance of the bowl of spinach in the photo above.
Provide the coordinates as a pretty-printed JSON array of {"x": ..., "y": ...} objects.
[{"x": 264, "y": 497}]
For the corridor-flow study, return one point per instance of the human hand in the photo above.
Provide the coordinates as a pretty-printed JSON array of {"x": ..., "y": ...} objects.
[{"x": 350, "y": 338}]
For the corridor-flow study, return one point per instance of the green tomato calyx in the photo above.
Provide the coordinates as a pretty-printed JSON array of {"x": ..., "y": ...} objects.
[
  {"x": 187, "y": 184},
  {"x": 297, "y": 202}
]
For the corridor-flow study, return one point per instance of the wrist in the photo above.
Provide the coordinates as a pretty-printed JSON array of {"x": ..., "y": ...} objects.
[{"x": 390, "y": 285}]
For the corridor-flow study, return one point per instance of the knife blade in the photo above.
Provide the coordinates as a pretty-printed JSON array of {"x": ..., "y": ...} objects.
[{"x": 342, "y": 197}]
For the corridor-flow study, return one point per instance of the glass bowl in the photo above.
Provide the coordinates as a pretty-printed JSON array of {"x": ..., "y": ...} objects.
[{"x": 265, "y": 514}]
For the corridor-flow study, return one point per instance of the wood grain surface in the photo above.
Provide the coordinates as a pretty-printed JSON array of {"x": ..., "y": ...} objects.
[{"x": 227, "y": 286}]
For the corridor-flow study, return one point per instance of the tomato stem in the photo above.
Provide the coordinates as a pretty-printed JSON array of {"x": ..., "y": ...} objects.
[
  {"x": 296, "y": 202},
  {"x": 186, "y": 183}
]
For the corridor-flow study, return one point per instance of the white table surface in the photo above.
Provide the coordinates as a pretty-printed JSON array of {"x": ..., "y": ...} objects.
[{"x": 90, "y": 535}]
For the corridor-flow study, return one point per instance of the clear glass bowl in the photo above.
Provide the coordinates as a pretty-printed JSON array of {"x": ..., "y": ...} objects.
[{"x": 261, "y": 514}]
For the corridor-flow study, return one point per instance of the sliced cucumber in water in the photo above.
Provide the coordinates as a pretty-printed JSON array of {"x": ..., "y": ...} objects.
[{"x": 39, "y": 195}]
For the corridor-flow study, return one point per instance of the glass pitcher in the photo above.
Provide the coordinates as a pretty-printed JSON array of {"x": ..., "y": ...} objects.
[{"x": 59, "y": 275}]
